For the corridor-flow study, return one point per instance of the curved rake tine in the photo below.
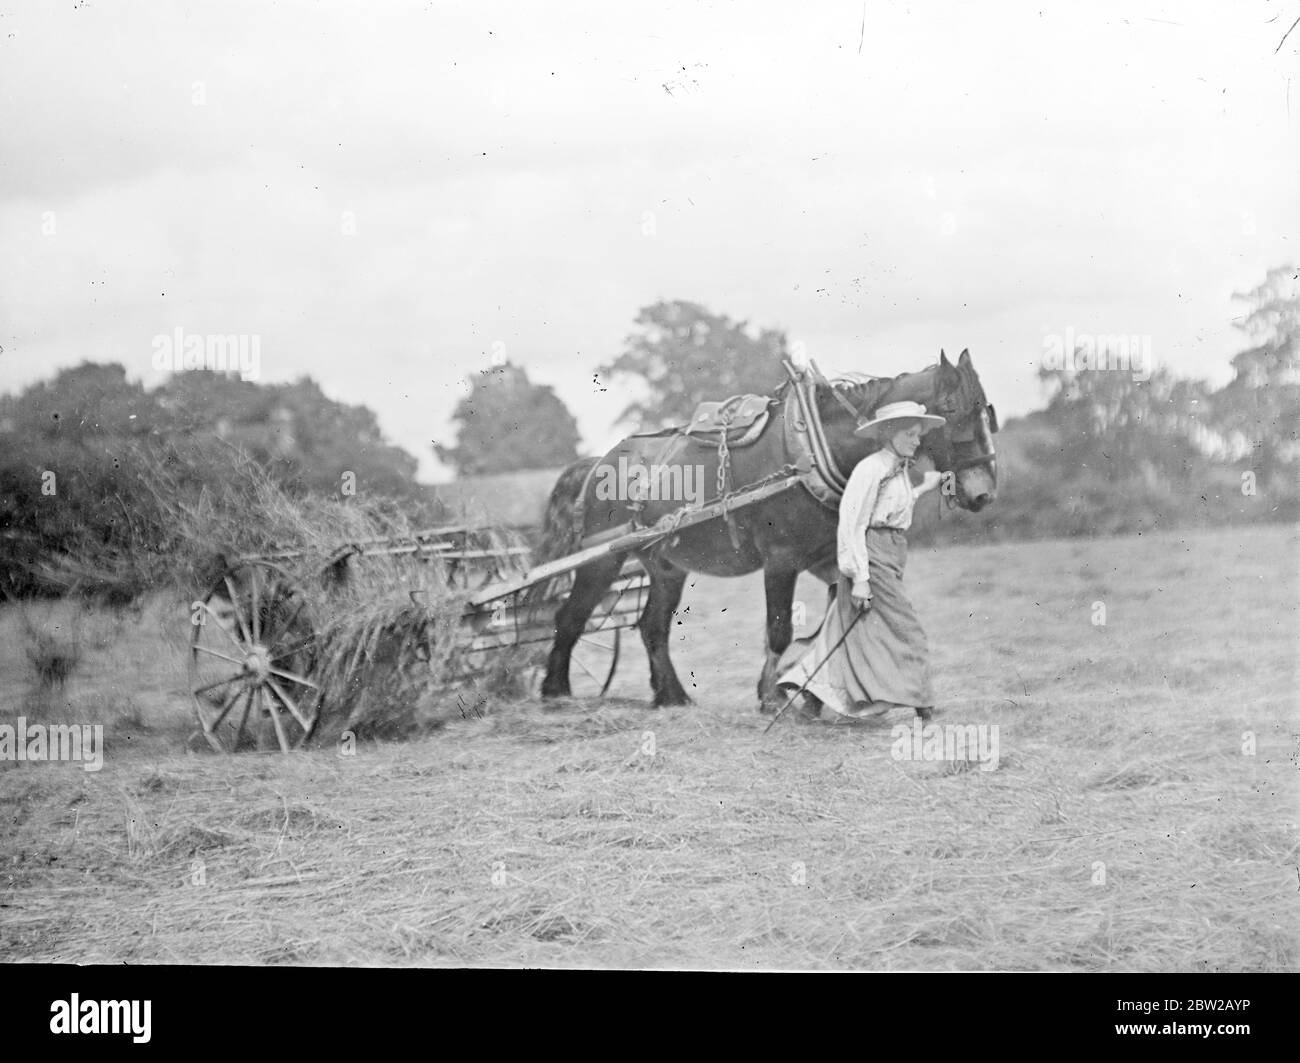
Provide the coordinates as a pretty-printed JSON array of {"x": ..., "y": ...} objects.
[
  {"x": 587, "y": 670},
  {"x": 288, "y": 627},
  {"x": 613, "y": 665},
  {"x": 295, "y": 648}
]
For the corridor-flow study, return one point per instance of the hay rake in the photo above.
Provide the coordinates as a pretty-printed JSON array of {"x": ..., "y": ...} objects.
[{"x": 253, "y": 674}]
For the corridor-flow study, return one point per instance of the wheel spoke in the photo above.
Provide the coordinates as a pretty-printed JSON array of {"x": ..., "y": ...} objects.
[
  {"x": 294, "y": 678},
  {"x": 248, "y": 706},
  {"x": 278, "y": 724},
  {"x": 218, "y": 683},
  {"x": 256, "y": 618},
  {"x": 292, "y": 706},
  {"x": 214, "y": 653},
  {"x": 589, "y": 672},
  {"x": 239, "y": 613},
  {"x": 224, "y": 630},
  {"x": 225, "y": 709}
]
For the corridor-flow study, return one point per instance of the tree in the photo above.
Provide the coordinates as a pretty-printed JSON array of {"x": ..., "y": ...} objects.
[
  {"x": 89, "y": 401},
  {"x": 686, "y": 355},
  {"x": 77, "y": 454},
  {"x": 508, "y": 423},
  {"x": 1119, "y": 427},
  {"x": 1262, "y": 402},
  {"x": 305, "y": 439}
]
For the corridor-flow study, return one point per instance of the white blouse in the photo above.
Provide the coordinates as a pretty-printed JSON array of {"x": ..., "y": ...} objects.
[{"x": 879, "y": 494}]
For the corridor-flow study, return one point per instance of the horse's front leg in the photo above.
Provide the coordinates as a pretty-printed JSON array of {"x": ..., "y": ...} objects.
[
  {"x": 825, "y": 565},
  {"x": 779, "y": 586}
]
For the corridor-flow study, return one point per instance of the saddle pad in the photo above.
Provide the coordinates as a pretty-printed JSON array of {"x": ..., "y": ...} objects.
[{"x": 743, "y": 417}]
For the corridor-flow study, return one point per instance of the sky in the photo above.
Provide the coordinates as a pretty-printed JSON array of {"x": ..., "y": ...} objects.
[{"x": 389, "y": 196}]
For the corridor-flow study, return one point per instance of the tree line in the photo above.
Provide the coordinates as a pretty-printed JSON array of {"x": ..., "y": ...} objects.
[{"x": 84, "y": 456}]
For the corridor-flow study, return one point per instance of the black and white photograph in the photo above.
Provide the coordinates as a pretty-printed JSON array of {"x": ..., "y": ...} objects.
[{"x": 699, "y": 486}]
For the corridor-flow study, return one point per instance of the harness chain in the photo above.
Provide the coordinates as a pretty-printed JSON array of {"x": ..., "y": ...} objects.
[{"x": 724, "y": 458}]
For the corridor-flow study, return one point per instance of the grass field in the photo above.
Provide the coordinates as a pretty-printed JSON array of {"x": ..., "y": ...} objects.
[{"x": 1127, "y": 826}]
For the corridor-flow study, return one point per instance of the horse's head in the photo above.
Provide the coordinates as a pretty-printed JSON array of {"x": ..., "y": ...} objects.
[{"x": 963, "y": 445}]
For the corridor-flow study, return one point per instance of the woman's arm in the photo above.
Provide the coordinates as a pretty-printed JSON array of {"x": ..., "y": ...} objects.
[{"x": 855, "y": 514}]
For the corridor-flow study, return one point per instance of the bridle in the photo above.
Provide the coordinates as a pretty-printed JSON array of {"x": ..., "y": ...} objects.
[{"x": 967, "y": 433}]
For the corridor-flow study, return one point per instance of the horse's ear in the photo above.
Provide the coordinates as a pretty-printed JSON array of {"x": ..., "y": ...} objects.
[
  {"x": 964, "y": 357},
  {"x": 943, "y": 359}
]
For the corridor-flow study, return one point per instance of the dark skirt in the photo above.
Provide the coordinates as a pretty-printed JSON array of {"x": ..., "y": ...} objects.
[{"x": 885, "y": 659}]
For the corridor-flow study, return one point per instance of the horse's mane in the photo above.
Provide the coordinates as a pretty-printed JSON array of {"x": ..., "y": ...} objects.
[{"x": 866, "y": 390}]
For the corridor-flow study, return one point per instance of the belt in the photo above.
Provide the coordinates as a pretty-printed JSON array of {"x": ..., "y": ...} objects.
[{"x": 883, "y": 527}]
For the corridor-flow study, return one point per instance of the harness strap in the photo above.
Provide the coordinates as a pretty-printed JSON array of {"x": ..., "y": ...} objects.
[
  {"x": 824, "y": 464},
  {"x": 857, "y": 414}
]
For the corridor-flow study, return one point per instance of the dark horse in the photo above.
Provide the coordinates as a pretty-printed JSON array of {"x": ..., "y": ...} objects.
[{"x": 784, "y": 535}]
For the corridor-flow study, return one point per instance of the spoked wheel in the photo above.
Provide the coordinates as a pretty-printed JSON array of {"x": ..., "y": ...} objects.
[
  {"x": 591, "y": 665},
  {"x": 250, "y": 661}
]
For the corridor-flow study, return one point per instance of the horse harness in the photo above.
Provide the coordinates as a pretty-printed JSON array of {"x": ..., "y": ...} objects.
[{"x": 814, "y": 465}]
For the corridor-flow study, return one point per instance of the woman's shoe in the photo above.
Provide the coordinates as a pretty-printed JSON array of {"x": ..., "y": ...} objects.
[{"x": 806, "y": 708}]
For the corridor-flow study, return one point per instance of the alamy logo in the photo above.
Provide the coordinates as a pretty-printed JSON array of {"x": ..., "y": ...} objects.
[
  {"x": 102, "y": 1016},
  {"x": 639, "y": 483},
  {"x": 1096, "y": 353},
  {"x": 55, "y": 741},
  {"x": 230, "y": 353},
  {"x": 949, "y": 741}
]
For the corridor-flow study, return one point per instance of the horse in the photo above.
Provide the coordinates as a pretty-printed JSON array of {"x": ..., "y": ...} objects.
[{"x": 784, "y": 534}]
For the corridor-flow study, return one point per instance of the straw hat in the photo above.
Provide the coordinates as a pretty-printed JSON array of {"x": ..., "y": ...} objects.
[{"x": 898, "y": 411}]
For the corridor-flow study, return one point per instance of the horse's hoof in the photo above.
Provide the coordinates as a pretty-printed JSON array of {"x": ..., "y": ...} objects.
[{"x": 925, "y": 715}]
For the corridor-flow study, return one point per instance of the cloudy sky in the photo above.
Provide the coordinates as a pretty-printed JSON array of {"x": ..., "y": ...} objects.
[{"x": 387, "y": 194}]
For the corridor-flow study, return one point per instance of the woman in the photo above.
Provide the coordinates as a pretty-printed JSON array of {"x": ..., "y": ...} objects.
[{"x": 884, "y": 662}]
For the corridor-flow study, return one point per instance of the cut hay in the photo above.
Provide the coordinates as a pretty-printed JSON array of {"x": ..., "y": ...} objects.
[
  {"x": 383, "y": 602},
  {"x": 1123, "y": 830}
]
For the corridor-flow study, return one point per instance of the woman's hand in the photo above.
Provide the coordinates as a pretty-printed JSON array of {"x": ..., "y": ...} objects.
[
  {"x": 929, "y": 481},
  {"x": 861, "y": 595}
]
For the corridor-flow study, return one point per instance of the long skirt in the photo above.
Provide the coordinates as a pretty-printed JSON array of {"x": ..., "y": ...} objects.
[{"x": 885, "y": 659}]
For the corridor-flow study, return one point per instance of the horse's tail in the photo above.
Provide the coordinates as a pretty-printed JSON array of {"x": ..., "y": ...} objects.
[{"x": 560, "y": 528}]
